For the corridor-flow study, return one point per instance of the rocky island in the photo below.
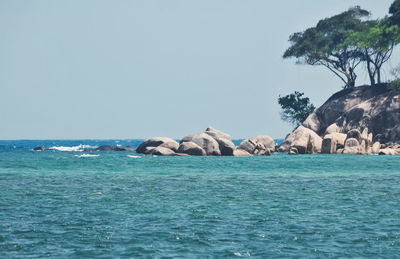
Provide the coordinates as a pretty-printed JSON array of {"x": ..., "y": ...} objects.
[{"x": 360, "y": 120}]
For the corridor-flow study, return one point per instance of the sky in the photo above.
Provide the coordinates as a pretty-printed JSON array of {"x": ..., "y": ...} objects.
[{"x": 98, "y": 69}]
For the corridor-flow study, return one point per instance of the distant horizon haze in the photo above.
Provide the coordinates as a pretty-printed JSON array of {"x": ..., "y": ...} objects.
[{"x": 138, "y": 69}]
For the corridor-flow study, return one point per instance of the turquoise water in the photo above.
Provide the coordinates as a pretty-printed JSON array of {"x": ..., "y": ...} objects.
[{"x": 57, "y": 205}]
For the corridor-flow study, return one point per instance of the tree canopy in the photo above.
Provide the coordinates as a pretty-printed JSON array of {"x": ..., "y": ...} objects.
[
  {"x": 296, "y": 108},
  {"x": 376, "y": 39},
  {"x": 344, "y": 41},
  {"x": 326, "y": 45},
  {"x": 394, "y": 10}
]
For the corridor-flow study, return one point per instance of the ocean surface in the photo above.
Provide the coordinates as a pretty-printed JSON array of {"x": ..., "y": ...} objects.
[{"x": 56, "y": 204}]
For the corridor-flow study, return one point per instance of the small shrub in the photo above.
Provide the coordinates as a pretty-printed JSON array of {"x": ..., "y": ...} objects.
[{"x": 395, "y": 83}]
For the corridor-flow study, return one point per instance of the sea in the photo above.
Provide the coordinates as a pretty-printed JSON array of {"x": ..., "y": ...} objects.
[{"x": 69, "y": 203}]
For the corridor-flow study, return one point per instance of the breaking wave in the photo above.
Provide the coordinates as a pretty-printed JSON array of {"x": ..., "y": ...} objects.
[{"x": 79, "y": 148}]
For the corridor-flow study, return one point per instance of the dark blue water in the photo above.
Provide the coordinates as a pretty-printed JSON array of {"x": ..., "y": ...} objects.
[{"x": 59, "y": 205}]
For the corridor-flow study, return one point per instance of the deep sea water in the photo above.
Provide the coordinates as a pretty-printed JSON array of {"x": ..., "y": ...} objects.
[{"x": 55, "y": 204}]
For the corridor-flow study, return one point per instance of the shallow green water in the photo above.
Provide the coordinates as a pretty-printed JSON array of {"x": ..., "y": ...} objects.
[{"x": 53, "y": 204}]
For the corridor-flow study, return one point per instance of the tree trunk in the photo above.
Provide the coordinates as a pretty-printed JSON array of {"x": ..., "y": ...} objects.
[
  {"x": 378, "y": 72},
  {"x": 351, "y": 78},
  {"x": 370, "y": 73},
  {"x": 351, "y": 82}
]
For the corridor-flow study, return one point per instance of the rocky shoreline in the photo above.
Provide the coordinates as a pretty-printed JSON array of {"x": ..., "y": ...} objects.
[
  {"x": 306, "y": 141},
  {"x": 213, "y": 142},
  {"x": 363, "y": 120}
]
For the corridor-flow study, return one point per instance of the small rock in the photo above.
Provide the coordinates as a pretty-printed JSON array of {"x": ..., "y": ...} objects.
[
  {"x": 40, "y": 149},
  {"x": 293, "y": 151}
]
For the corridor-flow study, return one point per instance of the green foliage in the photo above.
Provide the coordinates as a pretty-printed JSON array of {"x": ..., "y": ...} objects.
[
  {"x": 376, "y": 39},
  {"x": 296, "y": 108},
  {"x": 326, "y": 45},
  {"x": 395, "y": 83},
  {"x": 394, "y": 10},
  {"x": 344, "y": 41}
]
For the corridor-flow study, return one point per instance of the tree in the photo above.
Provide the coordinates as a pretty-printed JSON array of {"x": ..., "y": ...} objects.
[
  {"x": 326, "y": 45},
  {"x": 296, "y": 108},
  {"x": 394, "y": 10},
  {"x": 376, "y": 39}
]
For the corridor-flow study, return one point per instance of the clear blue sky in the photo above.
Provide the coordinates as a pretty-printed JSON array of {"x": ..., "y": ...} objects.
[{"x": 134, "y": 69}]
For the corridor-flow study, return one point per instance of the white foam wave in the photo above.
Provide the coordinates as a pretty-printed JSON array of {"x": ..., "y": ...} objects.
[
  {"x": 131, "y": 156},
  {"x": 87, "y": 155},
  {"x": 79, "y": 148},
  {"x": 247, "y": 254}
]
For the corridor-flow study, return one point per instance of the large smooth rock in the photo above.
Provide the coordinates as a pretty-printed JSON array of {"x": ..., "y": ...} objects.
[
  {"x": 170, "y": 145},
  {"x": 217, "y": 133},
  {"x": 312, "y": 122},
  {"x": 162, "y": 151},
  {"x": 332, "y": 142},
  {"x": 376, "y": 107},
  {"x": 333, "y": 128},
  {"x": 226, "y": 147},
  {"x": 148, "y": 150},
  {"x": 224, "y": 140},
  {"x": 363, "y": 149},
  {"x": 304, "y": 140},
  {"x": 370, "y": 138},
  {"x": 354, "y": 133},
  {"x": 352, "y": 146},
  {"x": 329, "y": 146},
  {"x": 388, "y": 152},
  {"x": 375, "y": 148},
  {"x": 191, "y": 148},
  {"x": 155, "y": 142},
  {"x": 205, "y": 141},
  {"x": 364, "y": 134},
  {"x": 241, "y": 152},
  {"x": 258, "y": 145}
]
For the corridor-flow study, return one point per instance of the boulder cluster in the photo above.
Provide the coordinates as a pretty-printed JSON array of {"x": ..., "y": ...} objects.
[
  {"x": 359, "y": 120},
  {"x": 333, "y": 141},
  {"x": 211, "y": 142}
]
